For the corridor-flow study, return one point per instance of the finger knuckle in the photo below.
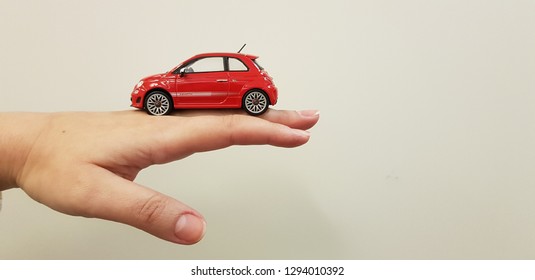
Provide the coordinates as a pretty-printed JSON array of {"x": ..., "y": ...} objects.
[
  {"x": 231, "y": 126},
  {"x": 152, "y": 209},
  {"x": 231, "y": 121}
]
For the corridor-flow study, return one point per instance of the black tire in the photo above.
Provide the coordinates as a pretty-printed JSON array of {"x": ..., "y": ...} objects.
[
  {"x": 158, "y": 103},
  {"x": 255, "y": 102}
]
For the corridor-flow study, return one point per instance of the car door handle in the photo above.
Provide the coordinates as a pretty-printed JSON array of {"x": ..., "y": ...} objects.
[{"x": 221, "y": 80}]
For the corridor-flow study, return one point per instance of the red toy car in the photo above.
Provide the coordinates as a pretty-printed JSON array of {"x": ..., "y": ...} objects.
[{"x": 210, "y": 80}]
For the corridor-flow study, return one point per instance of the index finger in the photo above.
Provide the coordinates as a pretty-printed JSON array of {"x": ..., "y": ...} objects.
[
  {"x": 304, "y": 119},
  {"x": 181, "y": 137}
]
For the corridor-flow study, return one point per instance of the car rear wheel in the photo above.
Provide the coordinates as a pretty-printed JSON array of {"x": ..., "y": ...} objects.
[
  {"x": 255, "y": 102},
  {"x": 158, "y": 103}
]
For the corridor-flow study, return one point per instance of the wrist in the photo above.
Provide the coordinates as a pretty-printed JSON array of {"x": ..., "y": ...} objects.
[{"x": 18, "y": 133}]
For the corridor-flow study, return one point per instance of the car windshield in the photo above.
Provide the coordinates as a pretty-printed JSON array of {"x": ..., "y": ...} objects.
[{"x": 258, "y": 64}]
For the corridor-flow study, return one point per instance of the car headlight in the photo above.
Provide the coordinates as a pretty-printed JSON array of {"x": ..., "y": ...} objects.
[{"x": 139, "y": 84}]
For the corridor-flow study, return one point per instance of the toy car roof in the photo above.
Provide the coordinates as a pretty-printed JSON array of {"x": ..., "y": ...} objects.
[{"x": 250, "y": 56}]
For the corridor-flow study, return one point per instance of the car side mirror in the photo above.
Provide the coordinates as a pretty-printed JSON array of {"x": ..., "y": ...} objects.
[{"x": 185, "y": 70}]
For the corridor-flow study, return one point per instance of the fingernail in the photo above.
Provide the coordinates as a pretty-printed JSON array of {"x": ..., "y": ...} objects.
[
  {"x": 190, "y": 228},
  {"x": 301, "y": 132},
  {"x": 309, "y": 113}
]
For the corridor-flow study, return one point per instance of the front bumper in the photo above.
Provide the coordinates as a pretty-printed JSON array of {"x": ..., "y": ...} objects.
[{"x": 136, "y": 100}]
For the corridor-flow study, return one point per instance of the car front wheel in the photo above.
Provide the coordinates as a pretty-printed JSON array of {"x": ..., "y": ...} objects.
[
  {"x": 255, "y": 102},
  {"x": 158, "y": 103}
]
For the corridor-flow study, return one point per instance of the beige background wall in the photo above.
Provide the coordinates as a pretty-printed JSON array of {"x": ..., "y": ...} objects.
[{"x": 425, "y": 148}]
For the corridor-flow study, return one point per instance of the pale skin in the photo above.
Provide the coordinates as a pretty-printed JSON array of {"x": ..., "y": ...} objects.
[{"x": 84, "y": 164}]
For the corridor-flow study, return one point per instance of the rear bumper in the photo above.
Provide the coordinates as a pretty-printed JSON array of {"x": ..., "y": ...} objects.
[{"x": 273, "y": 94}]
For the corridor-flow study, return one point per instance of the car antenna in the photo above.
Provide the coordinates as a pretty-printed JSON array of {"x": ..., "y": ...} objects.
[{"x": 242, "y": 48}]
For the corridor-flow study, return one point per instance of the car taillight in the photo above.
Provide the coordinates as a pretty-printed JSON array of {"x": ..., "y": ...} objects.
[{"x": 267, "y": 77}]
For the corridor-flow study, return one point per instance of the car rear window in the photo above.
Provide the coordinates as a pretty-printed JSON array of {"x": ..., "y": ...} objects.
[{"x": 258, "y": 64}]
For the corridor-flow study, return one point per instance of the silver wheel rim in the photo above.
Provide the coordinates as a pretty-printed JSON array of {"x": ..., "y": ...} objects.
[
  {"x": 158, "y": 104},
  {"x": 255, "y": 102}
]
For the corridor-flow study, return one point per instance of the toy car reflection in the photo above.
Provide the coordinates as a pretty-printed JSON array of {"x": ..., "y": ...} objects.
[{"x": 210, "y": 80}]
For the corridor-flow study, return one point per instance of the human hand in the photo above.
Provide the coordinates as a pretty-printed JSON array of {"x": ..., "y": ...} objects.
[{"x": 84, "y": 164}]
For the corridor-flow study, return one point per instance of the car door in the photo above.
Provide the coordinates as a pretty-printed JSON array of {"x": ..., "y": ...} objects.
[
  {"x": 203, "y": 82},
  {"x": 239, "y": 76}
]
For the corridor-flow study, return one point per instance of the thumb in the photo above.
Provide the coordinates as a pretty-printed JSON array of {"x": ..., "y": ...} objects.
[{"x": 117, "y": 199}]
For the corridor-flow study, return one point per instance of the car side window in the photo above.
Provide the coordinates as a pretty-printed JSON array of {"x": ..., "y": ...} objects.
[
  {"x": 235, "y": 64},
  {"x": 207, "y": 64}
]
